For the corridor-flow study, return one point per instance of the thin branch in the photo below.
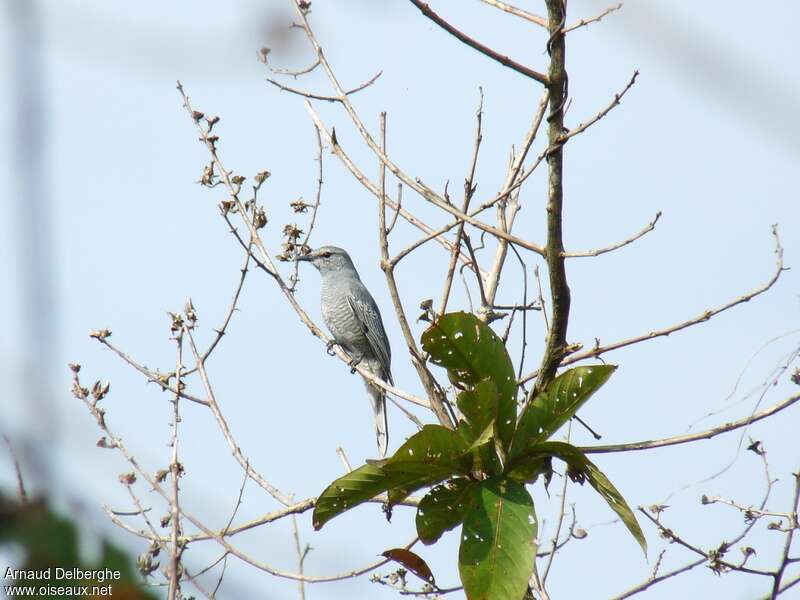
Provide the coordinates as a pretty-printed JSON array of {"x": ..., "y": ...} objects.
[
  {"x": 290, "y": 72},
  {"x": 615, "y": 102},
  {"x": 315, "y": 206},
  {"x": 23, "y": 495},
  {"x": 266, "y": 262},
  {"x": 787, "y": 547},
  {"x": 301, "y": 557},
  {"x": 654, "y": 579},
  {"x": 477, "y": 270},
  {"x": 663, "y": 577},
  {"x": 219, "y": 537},
  {"x": 714, "y": 557},
  {"x": 281, "y": 497},
  {"x": 436, "y": 398},
  {"x": 585, "y": 22},
  {"x": 541, "y": 304},
  {"x": 469, "y": 190},
  {"x": 559, "y": 522},
  {"x": 152, "y": 376},
  {"x": 518, "y": 12},
  {"x": 176, "y": 469},
  {"x": 618, "y": 245},
  {"x": 693, "y": 437},
  {"x": 508, "y": 205},
  {"x": 220, "y": 332},
  {"x": 475, "y": 44},
  {"x": 313, "y": 96},
  {"x": 416, "y": 184},
  {"x": 397, "y": 209},
  {"x": 598, "y": 349}
]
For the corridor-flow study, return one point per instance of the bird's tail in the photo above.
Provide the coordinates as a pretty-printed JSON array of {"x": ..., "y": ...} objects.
[{"x": 378, "y": 399}]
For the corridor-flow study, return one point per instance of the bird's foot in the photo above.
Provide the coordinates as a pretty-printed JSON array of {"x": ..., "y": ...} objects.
[
  {"x": 354, "y": 363},
  {"x": 329, "y": 347}
]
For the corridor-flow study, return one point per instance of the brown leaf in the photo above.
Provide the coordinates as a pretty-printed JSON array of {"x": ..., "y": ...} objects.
[{"x": 410, "y": 561}]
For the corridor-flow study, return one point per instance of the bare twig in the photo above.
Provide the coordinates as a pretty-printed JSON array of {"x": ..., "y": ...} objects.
[
  {"x": 508, "y": 205},
  {"x": 266, "y": 263},
  {"x": 207, "y": 533},
  {"x": 615, "y": 102},
  {"x": 475, "y": 44},
  {"x": 792, "y": 527},
  {"x": 469, "y": 190},
  {"x": 598, "y": 349},
  {"x": 313, "y": 96},
  {"x": 152, "y": 376},
  {"x": 559, "y": 522},
  {"x": 436, "y": 398},
  {"x": 714, "y": 557},
  {"x": 301, "y": 557},
  {"x": 315, "y": 208},
  {"x": 518, "y": 12},
  {"x": 584, "y": 22},
  {"x": 655, "y": 579},
  {"x": 176, "y": 470},
  {"x": 658, "y": 579},
  {"x": 416, "y": 184},
  {"x": 23, "y": 495},
  {"x": 625, "y": 242},
  {"x": 220, "y": 332},
  {"x": 281, "y": 497},
  {"x": 693, "y": 437}
]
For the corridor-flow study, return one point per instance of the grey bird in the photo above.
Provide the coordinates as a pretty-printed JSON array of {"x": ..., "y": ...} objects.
[{"x": 353, "y": 318}]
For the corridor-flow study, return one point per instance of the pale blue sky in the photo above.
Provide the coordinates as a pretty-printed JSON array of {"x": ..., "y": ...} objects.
[{"x": 709, "y": 135}]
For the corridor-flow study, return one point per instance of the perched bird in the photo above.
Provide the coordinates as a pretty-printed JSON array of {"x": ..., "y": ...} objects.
[{"x": 354, "y": 321}]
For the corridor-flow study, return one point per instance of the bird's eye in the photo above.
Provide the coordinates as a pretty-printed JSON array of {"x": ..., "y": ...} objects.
[{"x": 326, "y": 255}]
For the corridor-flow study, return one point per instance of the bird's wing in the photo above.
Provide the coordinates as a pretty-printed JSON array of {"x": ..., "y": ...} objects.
[{"x": 369, "y": 319}]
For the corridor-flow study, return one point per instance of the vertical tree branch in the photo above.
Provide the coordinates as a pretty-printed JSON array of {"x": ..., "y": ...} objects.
[
  {"x": 435, "y": 397},
  {"x": 469, "y": 190},
  {"x": 508, "y": 206},
  {"x": 559, "y": 290},
  {"x": 175, "y": 469}
]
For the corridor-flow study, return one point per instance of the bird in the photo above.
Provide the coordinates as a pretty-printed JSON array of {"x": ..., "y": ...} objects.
[{"x": 354, "y": 321}]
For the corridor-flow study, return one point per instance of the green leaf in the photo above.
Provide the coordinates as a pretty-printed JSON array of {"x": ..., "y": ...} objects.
[
  {"x": 528, "y": 471},
  {"x": 443, "y": 508},
  {"x": 356, "y": 487},
  {"x": 497, "y": 542},
  {"x": 479, "y": 404},
  {"x": 429, "y": 456},
  {"x": 557, "y": 404},
  {"x": 348, "y": 491},
  {"x": 580, "y": 468},
  {"x": 432, "y": 445},
  {"x": 470, "y": 351}
]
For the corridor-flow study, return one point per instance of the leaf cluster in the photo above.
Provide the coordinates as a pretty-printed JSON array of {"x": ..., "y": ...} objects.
[{"x": 478, "y": 473}]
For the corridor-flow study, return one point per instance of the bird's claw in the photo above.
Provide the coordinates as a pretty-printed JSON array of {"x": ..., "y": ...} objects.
[
  {"x": 329, "y": 347},
  {"x": 354, "y": 363}
]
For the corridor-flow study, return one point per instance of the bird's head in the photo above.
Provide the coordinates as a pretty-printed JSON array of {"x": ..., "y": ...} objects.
[{"x": 329, "y": 259}]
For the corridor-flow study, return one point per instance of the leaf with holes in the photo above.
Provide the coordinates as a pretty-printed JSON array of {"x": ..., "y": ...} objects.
[
  {"x": 557, "y": 405},
  {"x": 354, "y": 488},
  {"x": 497, "y": 549},
  {"x": 479, "y": 404},
  {"x": 426, "y": 458},
  {"x": 581, "y": 469},
  {"x": 444, "y": 507},
  {"x": 470, "y": 351}
]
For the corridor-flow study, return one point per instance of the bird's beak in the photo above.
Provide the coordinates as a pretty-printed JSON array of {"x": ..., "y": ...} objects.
[{"x": 305, "y": 257}]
